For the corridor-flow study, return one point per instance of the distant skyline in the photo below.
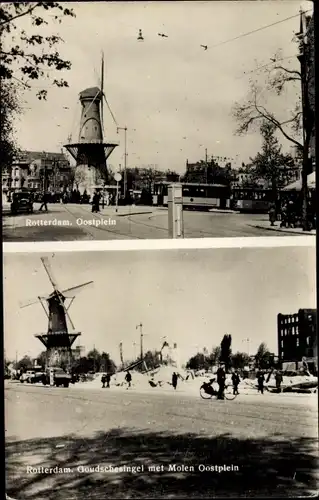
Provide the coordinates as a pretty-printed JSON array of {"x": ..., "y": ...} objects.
[
  {"x": 192, "y": 297},
  {"x": 174, "y": 97}
]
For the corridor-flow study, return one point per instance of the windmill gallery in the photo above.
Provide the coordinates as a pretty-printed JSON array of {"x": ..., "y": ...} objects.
[{"x": 61, "y": 333}]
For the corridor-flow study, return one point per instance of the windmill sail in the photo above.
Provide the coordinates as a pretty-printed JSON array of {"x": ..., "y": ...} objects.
[
  {"x": 47, "y": 267},
  {"x": 69, "y": 291}
]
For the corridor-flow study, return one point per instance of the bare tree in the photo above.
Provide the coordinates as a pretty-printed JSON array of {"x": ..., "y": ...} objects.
[{"x": 298, "y": 125}]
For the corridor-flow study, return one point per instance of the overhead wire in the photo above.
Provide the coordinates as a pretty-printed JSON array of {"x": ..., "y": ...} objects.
[{"x": 256, "y": 30}]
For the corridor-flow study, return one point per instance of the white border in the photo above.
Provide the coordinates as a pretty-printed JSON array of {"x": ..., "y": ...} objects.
[{"x": 172, "y": 244}]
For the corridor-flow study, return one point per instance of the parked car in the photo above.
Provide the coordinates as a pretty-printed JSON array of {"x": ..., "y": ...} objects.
[
  {"x": 32, "y": 376},
  {"x": 56, "y": 376},
  {"x": 22, "y": 202}
]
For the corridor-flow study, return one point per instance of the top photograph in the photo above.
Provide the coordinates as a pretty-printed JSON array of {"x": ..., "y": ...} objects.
[{"x": 157, "y": 120}]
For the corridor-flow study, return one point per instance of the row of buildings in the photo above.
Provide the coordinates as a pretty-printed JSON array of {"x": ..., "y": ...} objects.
[
  {"x": 297, "y": 339},
  {"x": 39, "y": 171}
]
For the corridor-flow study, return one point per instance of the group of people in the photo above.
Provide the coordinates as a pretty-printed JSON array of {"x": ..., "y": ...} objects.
[
  {"x": 289, "y": 213},
  {"x": 261, "y": 380},
  {"x": 221, "y": 381},
  {"x": 105, "y": 379}
]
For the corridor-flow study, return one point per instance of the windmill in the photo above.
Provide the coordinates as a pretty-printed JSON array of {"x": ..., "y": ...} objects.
[
  {"x": 92, "y": 150},
  {"x": 58, "y": 340}
]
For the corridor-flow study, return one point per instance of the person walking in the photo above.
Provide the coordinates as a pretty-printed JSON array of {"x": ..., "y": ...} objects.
[
  {"x": 103, "y": 380},
  {"x": 260, "y": 380},
  {"x": 278, "y": 378},
  {"x": 272, "y": 214},
  {"x": 174, "y": 380},
  {"x": 128, "y": 378},
  {"x": 221, "y": 378},
  {"x": 108, "y": 378},
  {"x": 44, "y": 201},
  {"x": 235, "y": 379},
  {"x": 96, "y": 203}
]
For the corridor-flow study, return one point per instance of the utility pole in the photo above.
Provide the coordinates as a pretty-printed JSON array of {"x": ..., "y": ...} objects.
[
  {"x": 125, "y": 158},
  {"x": 140, "y": 326},
  {"x": 121, "y": 353}
]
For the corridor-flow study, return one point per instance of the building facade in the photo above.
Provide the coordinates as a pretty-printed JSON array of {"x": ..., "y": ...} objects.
[
  {"x": 306, "y": 56},
  {"x": 297, "y": 337},
  {"x": 38, "y": 171}
]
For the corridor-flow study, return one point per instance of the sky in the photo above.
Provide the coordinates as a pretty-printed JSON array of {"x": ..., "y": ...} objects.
[
  {"x": 193, "y": 297},
  {"x": 174, "y": 98}
]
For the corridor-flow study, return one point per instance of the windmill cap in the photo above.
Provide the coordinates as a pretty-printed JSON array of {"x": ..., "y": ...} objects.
[{"x": 91, "y": 93}]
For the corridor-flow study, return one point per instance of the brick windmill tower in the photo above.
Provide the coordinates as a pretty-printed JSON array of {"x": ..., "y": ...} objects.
[
  {"x": 61, "y": 334},
  {"x": 92, "y": 150}
]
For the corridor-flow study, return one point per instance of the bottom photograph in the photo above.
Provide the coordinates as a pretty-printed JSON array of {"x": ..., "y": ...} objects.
[{"x": 161, "y": 374}]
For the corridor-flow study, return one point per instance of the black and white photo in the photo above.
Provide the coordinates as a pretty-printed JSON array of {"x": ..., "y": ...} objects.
[
  {"x": 161, "y": 120},
  {"x": 157, "y": 374}
]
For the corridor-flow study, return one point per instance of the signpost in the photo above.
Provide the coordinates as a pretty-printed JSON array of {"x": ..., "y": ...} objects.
[{"x": 118, "y": 178}]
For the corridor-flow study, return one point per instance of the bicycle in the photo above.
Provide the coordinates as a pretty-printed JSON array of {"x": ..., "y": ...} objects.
[{"x": 207, "y": 391}]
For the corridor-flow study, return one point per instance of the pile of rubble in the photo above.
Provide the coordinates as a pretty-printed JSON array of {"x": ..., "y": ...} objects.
[{"x": 161, "y": 378}]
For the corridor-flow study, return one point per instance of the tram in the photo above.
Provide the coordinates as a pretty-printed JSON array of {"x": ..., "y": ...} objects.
[
  {"x": 252, "y": 200},
  {"x": 196, "y": 196}
]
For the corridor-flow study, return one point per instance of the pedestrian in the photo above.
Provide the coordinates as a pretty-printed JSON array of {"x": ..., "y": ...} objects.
[
  {"x": 103, "y": 380},
  {"x": 278, "y": 378},
  {"x": 174, "y": 380},
  {"x": 108, "y": 378},
  {"x": 291, "y": 217},
  {"x": 128, "y": 378},
  {"x": 44, "y": 201},
  {"x": 235, "y": 379},
  {"x": 272, "y": 214},
  {"x": 96, "y": 203},
  {"x": 260, "y": 380},
  {"x": 221, "y": 378},
  {"x": 284, "y": 217}
]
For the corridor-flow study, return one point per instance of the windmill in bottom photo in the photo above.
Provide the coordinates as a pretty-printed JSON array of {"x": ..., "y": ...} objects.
[{"x": 58, "y": 340}]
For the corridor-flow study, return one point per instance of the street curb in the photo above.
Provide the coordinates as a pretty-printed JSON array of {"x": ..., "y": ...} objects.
[
  {"x": 217, "y": 211},
  {"x": 277, "y": 230}
]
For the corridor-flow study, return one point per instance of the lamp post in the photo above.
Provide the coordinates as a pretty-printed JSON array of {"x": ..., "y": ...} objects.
[
  {"x": 140, "y": 326},
  {"x": 206, "y": 166},
  {"x": 125, "y": 158}
]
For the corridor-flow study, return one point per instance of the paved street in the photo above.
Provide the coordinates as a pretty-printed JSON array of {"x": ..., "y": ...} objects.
[
  {"x": 76, "y": 222},
  {"x": 271, "y": 440}
]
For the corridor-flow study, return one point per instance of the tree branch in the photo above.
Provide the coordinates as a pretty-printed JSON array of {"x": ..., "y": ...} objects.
[
  {"x": 290, "y": 71},
  {"x": 267, "y": 116},
  {"x": 26, "y": 12}
]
